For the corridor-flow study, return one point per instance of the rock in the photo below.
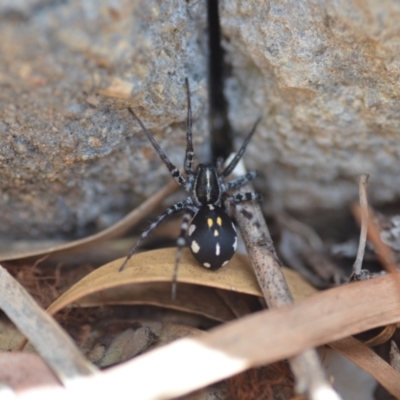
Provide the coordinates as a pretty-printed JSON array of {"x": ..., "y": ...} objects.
[
  {"x": 324, "y": 76},
  {"x": 72, "y": 159}
]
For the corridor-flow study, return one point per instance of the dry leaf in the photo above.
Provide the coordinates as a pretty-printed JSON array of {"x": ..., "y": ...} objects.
[
  {"x": 257, "y": 339},
  {"x": 157, "y": 266},
  {"x": 383, "y": 336},
  {"x": 369, "y": 361},
  {"x": 192, "y": 299}
]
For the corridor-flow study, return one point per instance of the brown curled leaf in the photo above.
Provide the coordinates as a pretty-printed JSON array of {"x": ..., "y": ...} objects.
[{"x": 158, "y": 265}]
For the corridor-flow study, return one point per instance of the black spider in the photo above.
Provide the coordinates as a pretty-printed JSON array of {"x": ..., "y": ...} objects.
[{"x": 211, "y": 232}]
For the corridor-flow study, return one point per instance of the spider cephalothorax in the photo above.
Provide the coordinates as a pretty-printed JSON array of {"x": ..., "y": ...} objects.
[{"x": 210, "y": 231}]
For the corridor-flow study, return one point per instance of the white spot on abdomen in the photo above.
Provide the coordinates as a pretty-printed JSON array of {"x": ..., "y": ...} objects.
[
  {"x": 217, "y": 249},
  {"x": 235, "y": 244},
  {"x": 195, "y": 247},
  {"x": 207, "y": 265},
  {"x": 191, "y": 229}
]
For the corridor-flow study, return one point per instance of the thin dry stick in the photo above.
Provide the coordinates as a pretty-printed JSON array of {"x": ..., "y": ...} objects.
[
  {"x": 382, "y": 251},
  {"x": 236, "y": 346},
  {"x": 363, "y": 185},
  {"x": 306, "y": 367},
  {"x": 369, "y": 228},
  {"x": 49, "y": 339}
]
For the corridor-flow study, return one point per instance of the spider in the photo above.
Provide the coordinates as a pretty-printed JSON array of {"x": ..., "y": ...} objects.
[{"x": 209, "y": 229}]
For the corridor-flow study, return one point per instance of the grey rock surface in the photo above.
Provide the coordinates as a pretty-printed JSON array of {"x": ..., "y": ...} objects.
[
  {"x": 325, "y": 77},
  {"x": 72, "y": 159}
]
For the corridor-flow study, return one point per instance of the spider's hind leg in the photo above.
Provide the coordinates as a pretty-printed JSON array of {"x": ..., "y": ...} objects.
[
  {"x": 239, "y": 182},
  {"x": 169, "y": 211},
  {"x": 242, "y": 197},
  {"x": 180, "y": 243},
  {"x": 235, "y": 200}
]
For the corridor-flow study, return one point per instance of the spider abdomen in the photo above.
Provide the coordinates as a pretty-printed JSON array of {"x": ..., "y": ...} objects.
[{"x": 212, "y": 237}]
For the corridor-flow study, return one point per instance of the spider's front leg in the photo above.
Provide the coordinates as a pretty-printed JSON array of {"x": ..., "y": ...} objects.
[
  {"x": 228, "y": 170},
  {"x": 169, "y": 211},
  {"x": 176, "y": 174},
  {"x": 189, "y": 155}
]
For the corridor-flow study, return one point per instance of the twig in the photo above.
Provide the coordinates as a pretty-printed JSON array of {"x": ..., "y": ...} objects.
[
  {"x": 363, "y": 185},
  {"x": 370, "y": 229},
  {"x": 48, "y": 338},
  {"x": 251, "y": 341},
  {"x": 383, "y": 252},
  {"x": 306, "y": 367}
]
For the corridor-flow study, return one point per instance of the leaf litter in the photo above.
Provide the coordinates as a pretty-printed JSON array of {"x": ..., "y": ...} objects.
[
  {"x": 105, "y": 287},
  {"x": 157, "y": 266},
  {"x": 322, "y": 318},
  {"x": 53, "y": 344}
]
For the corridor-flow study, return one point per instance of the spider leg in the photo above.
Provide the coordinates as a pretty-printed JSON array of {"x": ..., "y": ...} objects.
[
  {"x": 180, "y": 243},
  {"x": 241, "y": 197},
  {"x": 169, "y": 211},
  {"x": 238, "y": 182},
  {"x": 189, "y": 142},
  {"x": 239, "y": 154},
  {"x": 171, "y": 167},
  {"x": 238, "y": 198}
]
